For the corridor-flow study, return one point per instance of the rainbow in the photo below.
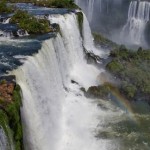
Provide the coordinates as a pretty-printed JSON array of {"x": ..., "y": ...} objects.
[{"x": 123, "y": 102}]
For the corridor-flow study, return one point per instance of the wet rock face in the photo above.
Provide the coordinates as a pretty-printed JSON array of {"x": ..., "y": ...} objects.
[
  {"x": 7, "y": 86},
  {"x": 92, "y": 58},
  {"x": 6, "y": 91}
]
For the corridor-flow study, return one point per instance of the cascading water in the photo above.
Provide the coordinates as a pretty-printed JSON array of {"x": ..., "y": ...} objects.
[
  {"x": 6, "y": 142},
  {"x": 4, "y": 20},
  {"x": 105, "y": 16},
  {"x": 10, "y": 33},
  {"x": 100, "y": 5},
  {"x": 90, "y": 5},
  {"x": 10, "y": 30},
  {"x": 3, "y": 140},
  {"x": 77, "y": 2},
  {"x": 95, "y": 7},
  {"x": 90, "y": 9},
  {"x": 138, "y": 16},
  {"x": 55, "y": 113},
  {"x": 88, "y": 39}
]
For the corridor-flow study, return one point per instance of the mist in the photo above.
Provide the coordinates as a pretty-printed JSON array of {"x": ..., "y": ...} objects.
[{"x": 122, "y": 21}]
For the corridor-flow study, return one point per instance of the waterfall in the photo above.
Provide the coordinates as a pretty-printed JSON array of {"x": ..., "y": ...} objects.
[
  {"x": 6, "y": 34},
  {"x": 88, "y": 39},
  {"x": 56, "y": 114},
  {"x": 3, "y": 140},
  {"x": 77, "y": 2},
  {"x": 94, "y": 7},
  {"x": 138, "y": 16},
  {"x": 6, "y": 142},
  {"x": 90, "y": 9},
  {"x": 4, "y": 20},
  {"x": 39, "y": 77},
  {"x": 100, "y": 5}
]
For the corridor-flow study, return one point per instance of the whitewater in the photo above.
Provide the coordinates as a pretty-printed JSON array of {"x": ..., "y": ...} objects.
[
  {"x": 138, "y": 17},
  {"x": 55, "y": 114}
]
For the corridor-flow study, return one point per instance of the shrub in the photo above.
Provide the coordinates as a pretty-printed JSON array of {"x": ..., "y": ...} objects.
[
  {"x": 114, "y": 66},
  {"x": 13, "y": 112},
  {"x": 101, "y": 91},
  {"x": 130, "y": 90},
  {"x": 30, "y": 23},
  {"x": 132, "y": 69},
  {"x": 4, "y": 8}
]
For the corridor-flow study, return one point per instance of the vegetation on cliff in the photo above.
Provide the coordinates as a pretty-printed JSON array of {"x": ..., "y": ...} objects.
[
  {"x": 4, "y": 8},
  {"x": 101, "y": 91},
  {"x": 26, "y": 21},
  {"x": 29, "y": 23},
  {"x": 99, "y": 39},
  {"x": 10, "y": 119},
  {"x": 132, "y": 70}
]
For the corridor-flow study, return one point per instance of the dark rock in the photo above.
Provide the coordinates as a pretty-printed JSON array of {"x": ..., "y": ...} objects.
[
  {"x": 74, "y": 82},
  {"x": 101, "y": 91},
  {"x": 92, "y": 58}
]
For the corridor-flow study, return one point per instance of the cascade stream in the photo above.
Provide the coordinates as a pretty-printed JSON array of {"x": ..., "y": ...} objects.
[
  {"x": 55, "y": 112},
  {"x": 56, "y": 115},
  {"x": 138, "y": 16}
]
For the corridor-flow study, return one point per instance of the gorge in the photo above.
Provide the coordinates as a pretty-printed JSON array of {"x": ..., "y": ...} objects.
[{"x": 54, "y": 74}]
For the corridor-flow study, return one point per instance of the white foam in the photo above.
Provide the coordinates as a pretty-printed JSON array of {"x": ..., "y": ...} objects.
[
  {"x": 138, "y": 16},
  {"x": 55, "y": 113}
]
